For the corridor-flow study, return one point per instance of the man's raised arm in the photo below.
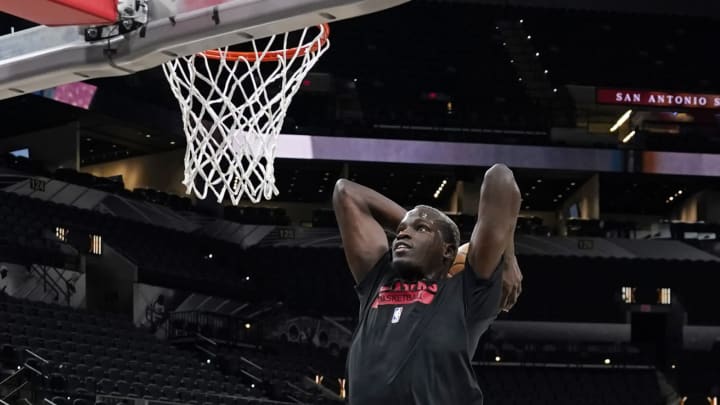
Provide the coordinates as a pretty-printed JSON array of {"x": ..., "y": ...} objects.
[
  {"x": 497, "y": 214},
  {"x": 363, "y": 215}
]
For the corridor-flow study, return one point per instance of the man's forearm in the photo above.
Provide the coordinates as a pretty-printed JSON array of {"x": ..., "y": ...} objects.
[
  {"x": 385, "y": 211},
  {"x": 499, "y": 183},
  {"x": 510, "y": 248}
]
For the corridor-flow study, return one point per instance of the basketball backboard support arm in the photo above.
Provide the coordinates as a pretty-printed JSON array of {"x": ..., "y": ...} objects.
[{"x": 44, "y": 57}]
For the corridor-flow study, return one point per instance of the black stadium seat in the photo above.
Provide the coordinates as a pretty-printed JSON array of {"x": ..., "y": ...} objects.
[{"x": 60, "y": 401}]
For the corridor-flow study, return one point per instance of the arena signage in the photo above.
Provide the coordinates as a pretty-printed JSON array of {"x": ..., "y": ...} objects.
[{"x": 657, "y": 98}]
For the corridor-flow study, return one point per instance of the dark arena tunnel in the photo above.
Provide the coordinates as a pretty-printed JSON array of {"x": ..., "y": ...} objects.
[{"x": 216, "y": 202}]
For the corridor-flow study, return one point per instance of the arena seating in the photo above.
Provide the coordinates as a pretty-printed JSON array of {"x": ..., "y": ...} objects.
[
  {"x": 92, "y": 353},
  {"x": 244, "y": 215},
  {"x": 21, "y": 237},
  {"x": 579, "y": 353},
  {"x": 515, "y": 385},
  {"x": 155, "y": 250},
  {"x": 256, "y": 215},
  {"x": 286, "y": 362}
]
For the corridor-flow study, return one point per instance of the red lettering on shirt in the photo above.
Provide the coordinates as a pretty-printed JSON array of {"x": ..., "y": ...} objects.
[{"x": 406, "y": 293}]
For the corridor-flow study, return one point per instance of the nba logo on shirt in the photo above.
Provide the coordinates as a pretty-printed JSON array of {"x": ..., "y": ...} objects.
[{"x": 396, "y": 315}]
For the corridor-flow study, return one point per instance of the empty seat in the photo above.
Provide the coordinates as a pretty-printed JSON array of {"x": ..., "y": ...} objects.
[
  {"x": 106, "y": 386},
  {"x": 137, "y": 390},
  {"x": 157, "y": 379},
  {"x": 60, "y": 401},
  {"x": 90, "y": 384},
  {"x": 113, "y": 374},
  {"x": 97, "y": 372},
  {"x": 127, "y": 375},
  {"x": 183, "y": 395},
  {"x": 89, "y": 360},
  {"x": 123, "y": 387},
  {"x": 58, "y": 382},
  {"x": 152, "y": 391},
  {"x": 168, "y": 393}
]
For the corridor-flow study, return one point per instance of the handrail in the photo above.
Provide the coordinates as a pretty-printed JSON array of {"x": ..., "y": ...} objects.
[
  {"x": 207, "y": 339},
  {"x": 13, "y": 392},
  {"x": 37, "y": 356},
  {"x": 11, "y": 376}
]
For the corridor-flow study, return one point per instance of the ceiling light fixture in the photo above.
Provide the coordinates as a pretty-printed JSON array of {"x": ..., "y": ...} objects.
[
  {"x": 628, "y": 137},
  {"x": 439, "y": 189},
  {"x": 623, "y": 118}
]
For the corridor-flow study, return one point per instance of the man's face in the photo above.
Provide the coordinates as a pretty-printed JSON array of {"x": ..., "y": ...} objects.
[{"x": 418, "y": 246}]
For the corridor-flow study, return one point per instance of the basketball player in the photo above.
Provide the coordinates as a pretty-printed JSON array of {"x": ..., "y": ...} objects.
[{"x": 418, "y": 328}]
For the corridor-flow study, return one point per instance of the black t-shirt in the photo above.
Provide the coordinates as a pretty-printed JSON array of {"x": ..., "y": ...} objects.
[{"x": 415, "y": 340}]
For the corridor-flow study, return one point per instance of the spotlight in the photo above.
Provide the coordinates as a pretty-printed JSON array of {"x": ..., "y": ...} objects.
[
  {"x": 247, "y": 326},
  {"x": 628, "y": 137},
  {"x": 607, "y": 361},
  {"x": 623, "y": 118},
  {"x": 497, "y": 359}
]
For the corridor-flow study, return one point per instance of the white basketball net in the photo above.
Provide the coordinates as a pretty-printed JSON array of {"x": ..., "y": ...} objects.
[{"x": 232, "y": 115}]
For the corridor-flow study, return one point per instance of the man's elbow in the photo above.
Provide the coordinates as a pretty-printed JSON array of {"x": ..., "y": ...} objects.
[
  {"x": 341, "y": 191},
  {"x": 500, "y": 177},
  {"x": 500, "y": 171}
]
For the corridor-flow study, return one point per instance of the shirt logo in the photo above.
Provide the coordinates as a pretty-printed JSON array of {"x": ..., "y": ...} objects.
[
  {"x": 403, "y": 293},
  {"x": 396, "y": 315}
]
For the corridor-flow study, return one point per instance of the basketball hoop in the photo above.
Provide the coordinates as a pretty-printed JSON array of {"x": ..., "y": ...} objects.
[{"x": 233, "y": 107}]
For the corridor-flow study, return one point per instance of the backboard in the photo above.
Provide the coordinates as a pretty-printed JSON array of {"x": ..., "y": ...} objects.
[{"x": 44, "y": 57}]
